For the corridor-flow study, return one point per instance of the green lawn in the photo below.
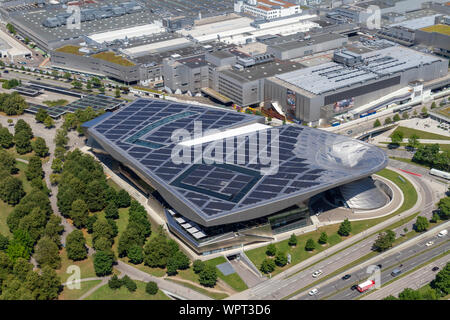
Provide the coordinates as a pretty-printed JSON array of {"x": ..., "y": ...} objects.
[
  {"x": 74, "y": 294},
  {"x": 106, "y": 293},
  {"x": 86, "y": 267},
  {"x": 408, "y": 132},
  {"x": 233, "y": 280},
  {"x": 214, "y": 295},
  {"x": 299, "y": 253}
]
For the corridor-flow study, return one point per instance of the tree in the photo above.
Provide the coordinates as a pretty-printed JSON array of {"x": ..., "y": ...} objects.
[
  {"x": 40, "y": 147},
  {"x": 6, "y": 138},
  {"x": 405, "y": 115},
  {"x": 424, "y": 111},
  {"x": 421, "y": 224},
  {"x": 182, "y": 260},
  {"x": 103, "y": 263},
  {"x": 34, "y": 168},
  {"x": 111, "y": 211},
  {"x": 67, "y": 76},
  {"x": 444, "y": 208},
  {"x": 396, "y": 117},
  {"x": 47, "y": 253},
  {"x": 345, "y": 228},
  {"x": 7, "y": 162},
  {"x": 267, "y": 266},
  {"x": 76, "y": 246},
  {"x": 323, "y": 238},
  {"x": 387, "y": 121},
  {"x": 435, "y": 217},
  {"x": 384, "y": 241},
  {"x": 41, "y": 114},
  {"x": 20, "y": 246},
  {"x": 4, "y": 241},
  {"x": 135, "y": 254},
  {"x": 198, "y": 266},
  {"x": 409, "y": 294},
  {"x": 114, "y": 283},
  {"x": 310, "y": 245},
  {"x": 292, "y": 240},
  {"x": 79, "y": 213},
  {"x": 281, "y": 259},
  {"x": 95, "y": 195},
  {"x": 377, "y": 123},
  {"x": 48, "y": 122},
  {"x": 117, "y": 94},
  {"x": 151, "y": 288},
  {"x": 11, "y": 190},
  {"x": 22, "y": 142},
  {"x": 413, "y": 141},
  {"x": 271, "y": 250},
  {"x": 442, "y": 281},
  {"x": 57, "y": 165},
  {"x": 123, "y": 199},
  {"x": 156, "y": 252},
  {"x": 129, "y": 284},
  {"x": 397, "y": 137},
  {"x": 77, "y": 84},
  {"x": 208, "y": 276}
]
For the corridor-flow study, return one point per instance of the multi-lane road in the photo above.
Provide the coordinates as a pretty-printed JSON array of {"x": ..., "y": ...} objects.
[{"x": 405, "y": 260}]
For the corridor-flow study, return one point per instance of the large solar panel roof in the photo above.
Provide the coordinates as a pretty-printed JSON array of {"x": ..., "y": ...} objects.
[
  {"x": 307, "y": 159},
  {"x": 96, "y": 102}
]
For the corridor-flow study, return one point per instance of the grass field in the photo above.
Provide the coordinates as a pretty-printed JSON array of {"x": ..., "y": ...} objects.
[
  {"x": 112, "y": 57},
  {"x": 106, "y": 293},
  {"x": 71, "y": 49},
  {"x": 74, "y": 294},
  {"x": 408, "y": 132},
  {"x": 233, "y": 280},
  {"x": 299, "y": 253},
  {"x": 86, "y": 267},
  {"x": 439, "y": 28},
  {"x": 214, "y": 295}
]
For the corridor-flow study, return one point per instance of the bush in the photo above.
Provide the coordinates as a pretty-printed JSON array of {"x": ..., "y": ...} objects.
[
  {"x": 281, "y": 259},
  {"x": 292, "y": 240},
  {"x": 310, "y": 245},
  {"x": 323, "y": 238},
  {"x": 208, "y": 276},
  {"x": 151, "y": 288},
  {"x": 114, "y": 283},
  {"x": 129, "y": 284},
  {"x": 271, "y": 250},
  {"x": 267, "y": 266},
  {"x": 198, "y": 266}
]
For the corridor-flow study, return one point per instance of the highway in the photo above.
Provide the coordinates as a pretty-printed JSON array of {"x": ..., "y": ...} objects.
[
  {"x": 413, "y": 280},
  {"x": 409, "y": 257},
  {"x": 281, "y": 286}
]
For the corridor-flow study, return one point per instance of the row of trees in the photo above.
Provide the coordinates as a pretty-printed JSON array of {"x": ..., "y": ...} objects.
[
  {"x": 279, "y": 258},
  {"x": 73, "y": 121},
  {"x": 43, "y": 117},
  {"x": 431, "y": 156}
]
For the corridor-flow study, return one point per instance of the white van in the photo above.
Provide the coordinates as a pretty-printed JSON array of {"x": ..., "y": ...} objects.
[{"x": 442, "y": 233}]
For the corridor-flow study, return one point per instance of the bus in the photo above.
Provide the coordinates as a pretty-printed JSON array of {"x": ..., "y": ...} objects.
[
  {"x": 368, "y": 113},
  {"x": 403, "y": 109},
  {"x": 366, "y": 285},
  {"x": 439, "y": 173}
]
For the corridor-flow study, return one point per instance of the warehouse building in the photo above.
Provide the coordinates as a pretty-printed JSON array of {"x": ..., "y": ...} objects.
[{"x": 351, "y": 80}]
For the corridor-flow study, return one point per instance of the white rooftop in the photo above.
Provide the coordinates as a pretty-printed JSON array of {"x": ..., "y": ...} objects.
[{"x": 138, "y": 31}]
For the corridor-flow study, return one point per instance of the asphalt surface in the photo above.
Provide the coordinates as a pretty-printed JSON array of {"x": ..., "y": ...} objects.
[
  {"x": 417, "y": 254},
  {"x": 413, "y": 280}
]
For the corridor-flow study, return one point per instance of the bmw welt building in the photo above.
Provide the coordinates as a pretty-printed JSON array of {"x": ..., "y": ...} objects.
[{"x": 222, "y": 178}]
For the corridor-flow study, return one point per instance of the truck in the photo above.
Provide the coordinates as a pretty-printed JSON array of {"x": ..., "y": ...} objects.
[
  {"x": 366, "y": 285},
  {"x": 439, "y": 173}
]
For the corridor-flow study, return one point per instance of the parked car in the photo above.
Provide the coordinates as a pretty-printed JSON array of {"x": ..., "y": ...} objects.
[
  {"x": 347, "y": 276},
  {"x": 354, "y": 287},
  {"x": 313, "y": 292},
  {"x": 442, "y": 233},
  {"x": 317, "y": 273},
  {"x": 435, "y": 269},
  {"x": 429, "y": 243}
]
